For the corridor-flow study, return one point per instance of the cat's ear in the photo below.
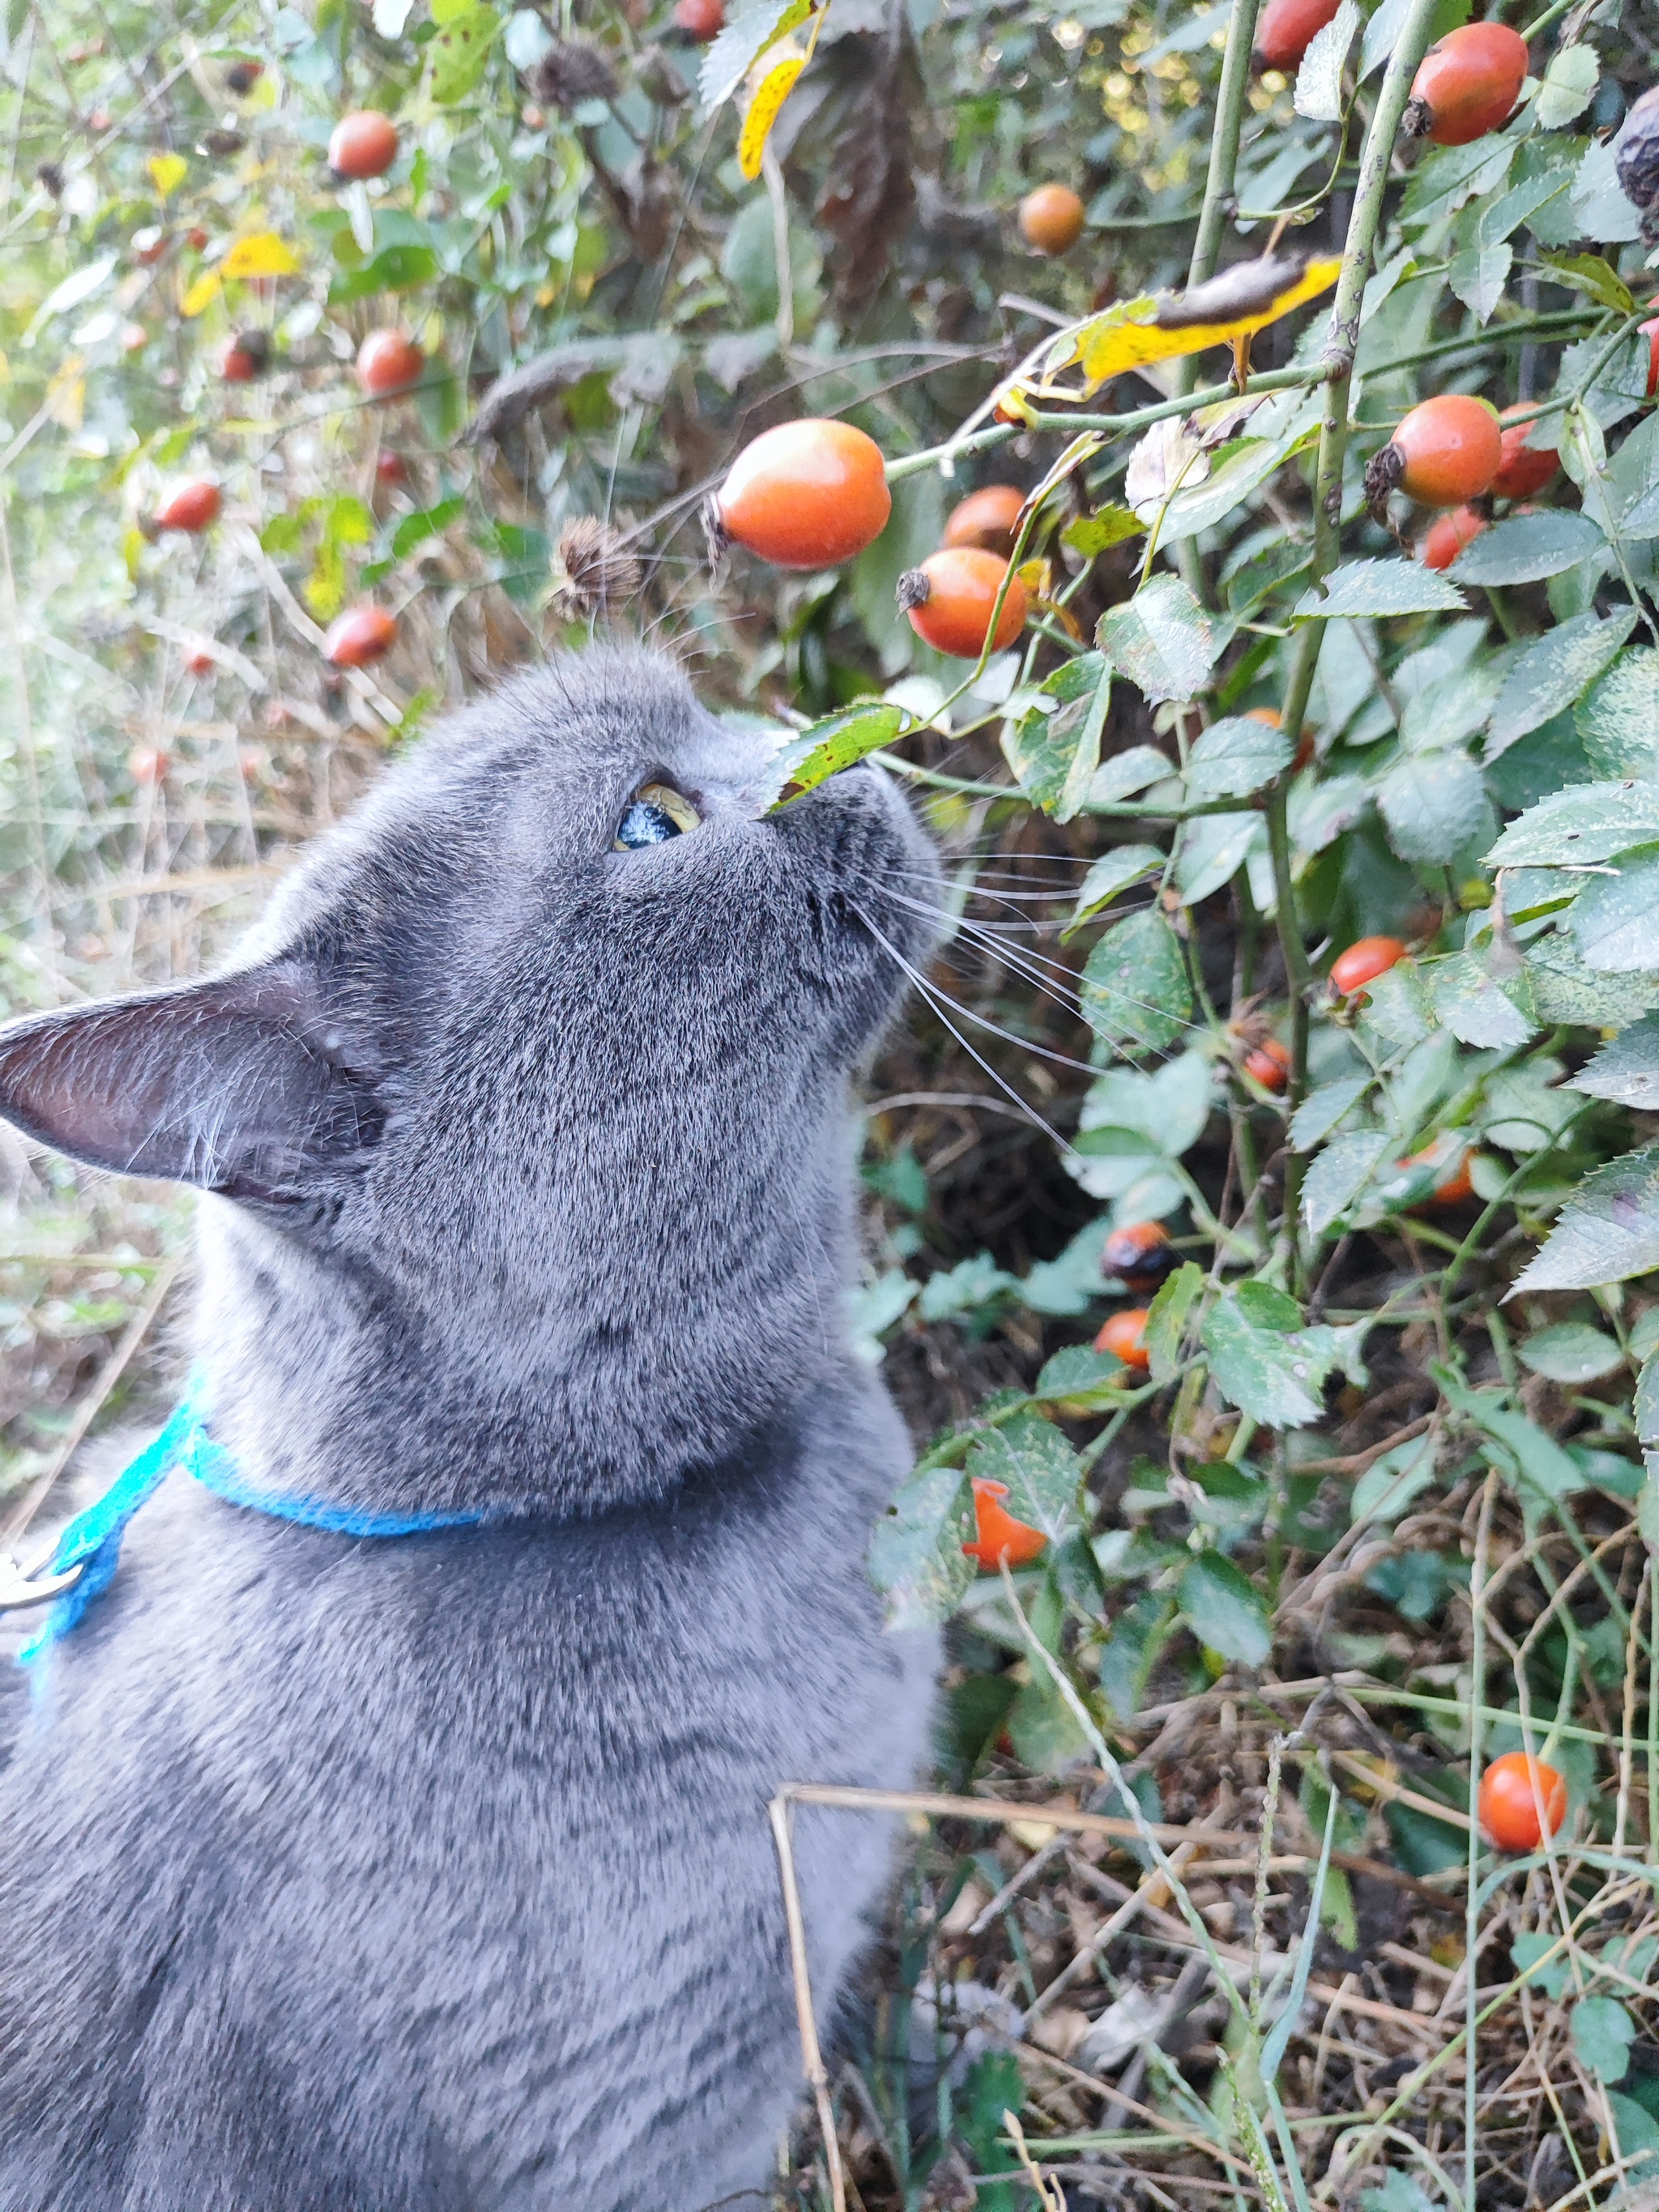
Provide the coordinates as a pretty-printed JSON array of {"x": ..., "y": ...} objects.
[{"x": 235, "y": 1084}]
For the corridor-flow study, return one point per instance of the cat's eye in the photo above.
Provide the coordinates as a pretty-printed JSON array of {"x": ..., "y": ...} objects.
[{"x": 655, "y": 813}]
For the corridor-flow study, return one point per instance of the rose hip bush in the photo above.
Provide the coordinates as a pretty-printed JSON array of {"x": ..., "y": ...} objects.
[{"x": 1244, "y": 540}]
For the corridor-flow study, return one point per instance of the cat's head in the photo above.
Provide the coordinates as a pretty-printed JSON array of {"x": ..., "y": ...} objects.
[{"x": 526, "y": 1103}]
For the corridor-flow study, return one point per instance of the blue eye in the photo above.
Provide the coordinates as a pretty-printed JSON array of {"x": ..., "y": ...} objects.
[{"x": 654, "y": 814}]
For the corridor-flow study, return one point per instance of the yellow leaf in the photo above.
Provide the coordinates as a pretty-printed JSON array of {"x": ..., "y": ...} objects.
[
  {"x": 262, "y": 255},
  {"x": 1163, "y": 326},
  {"x": 166, "y": 172},
  {"x": 202, "y": 294},
  {"x": 774, "y": 89}
]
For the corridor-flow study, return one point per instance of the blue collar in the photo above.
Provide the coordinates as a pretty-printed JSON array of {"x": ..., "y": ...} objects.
[{"x": 92, "y": 1541}]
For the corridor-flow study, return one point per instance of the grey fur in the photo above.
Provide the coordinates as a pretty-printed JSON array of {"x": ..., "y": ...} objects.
[{"x": 432, "y": 1874}]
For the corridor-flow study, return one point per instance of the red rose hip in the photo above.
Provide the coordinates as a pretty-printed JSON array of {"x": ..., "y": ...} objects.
[
  {"x": 1448, "y": 534},
  {"x": 1512, "y": 1789},
  {"x": 361, "y": 635},
  {"x": 388, "y": 362},
  {"x": 1522, "y": 468},
  {"x": 951, "y": 598},
  {"x": 192, "y": 507},
  {"x": 1467, "y": 85},
  {"x": 364, "y": 144},
  {"x": 807, "y": 495},
  {"x": 1446, "y": 451},
  {"x": 1124, "y": 1337},
  {"x": 986, "y": 518},
  {"x": 1286, "y": 28},
  {"x": 1365, "y": 959}
]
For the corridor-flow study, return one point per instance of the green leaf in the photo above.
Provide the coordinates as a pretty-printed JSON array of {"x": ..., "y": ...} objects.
[
  {"x": 1381, "y": 587},
  {"x": 1085, "y": 1380},
  {"x": 1626, "y": 1070},
  {"x": 460, "y": 51},
  {"x": 1593, "y": 274},
  {"x": 1569, "y": 86},
  {"x": 415, "y": 529},
  {"x": 1338, "y": 1174},
  {"x": 1161, "y": 640},
  {"x": 1477, "y": 277},
  {"x": 1524, "y": 548},
  {"x": 1236, "y": 757},
  {"x": 1044, "y": 1731},
  {"x": 1321, "y": 1110},
  {"x": 1268, "y": 1372},
  {"x": 1528, "y": 1948},
  {"x": 1573, "y": 1351},
  {"x": 1581, "y": 826},
  {"x": 1213, "y": 850},
  {"x": 1094, "y": 533},
  {"x": 1381, "y": 36},
  {"x": 1615, "y": 920},
  {"x": 1134, "y": 983},
  {"x": 1318, "y": 90},
  {"x": 1434, "y": 806},
  {"x": 397, "y": 269},
  {"x": 1475, "y": 1007},
  {"x": 1167, "y": 1315},
  {"x": 1554, "y": 672},
  {"x": 1618, "y": 718},
  {"x": 832, "y": 745},
  {"x": 916, "y": 1559},
  {"x": 971, "y": 1285},
  {"x": 1602, "y": 2033},
  {"x": 1400, "y": 2192},
  {"x": 1392, "y": 1480},
  {"x": 1564, "y": 990},
  {"x": 1054, "y": 748},
  {"x": 1113, "y": 872},
  {"x": 1537, "y": 1457},
  {"x": 1608, "y": 1230},
  {"x": 1127, "y": 772},
  {"x": 1039, "y": 1468},
  {"x": 1224, "y": 1610}
]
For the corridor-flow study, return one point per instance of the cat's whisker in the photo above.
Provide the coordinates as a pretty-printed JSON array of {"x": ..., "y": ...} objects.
[{"x": 939, "y": 1001}]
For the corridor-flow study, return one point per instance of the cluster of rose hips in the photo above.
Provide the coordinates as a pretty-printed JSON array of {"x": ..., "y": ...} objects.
[
  {"x": 813, "y": 493},
  {"x": 1467, "y": 86},
  {"x": 1457, "y": 453}
]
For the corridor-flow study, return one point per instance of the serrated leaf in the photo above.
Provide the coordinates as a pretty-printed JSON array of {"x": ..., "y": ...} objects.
[
  {"x": 1379, "y": 587},
  {"x": 1268, "y": 1373},
  {"x": 1161, "y": 640},
  {"x": 1224, "y": 1610},
  {"x": 1383, "y": 31},
  {"x": 1039, "y": 1468},
  {"x": 1236, "y": 757},
  {"x": 1094, "y": 533},
  {"x": 1475, "y": 1007},
  {"x": 1626, "y": 1070},
  {"x": 1524, "y": 548},
  {"x": 1321, "y": 1110},
  {"x": 261, "y": 254},
  {"x": 1127, "y": 772},
  {"x": 1573, "y": 1351},
  {"x": 1646, "y": 1410},
  {"x": 916, "y": 1559},
  {"x": 1618, "y": 718},
  {"x": 1082, "y": 1379},
  {"x": 741, "y": 44},
  {"x": 1595, "y": 275},
  {"x": 1134, "y": 986},
  {"x": 1608, "y": 1230},
  {"x": 1585, "y": 824},
  {"x": 1318, "y": 92},
  {"x": 832, "y": 745},
  {"x": 1615, "y": 919},
  {"x": 1053, "y": 749},
  {"x": 1554, "y": 672},
  {"x": 1166, "y": 1319},
  {"x": 1433, "y": 807},
  {"x": 1113, "y": 872},
  {"x": 1478, "y": 276},
  {"x": 1535, "y": 1457},
  {"x": 1569, "y": 86},
  {"x": 1213, "y": 850},
  {"x": 1338, "y": 1174},
  {"x": 1564, "y": 990}
]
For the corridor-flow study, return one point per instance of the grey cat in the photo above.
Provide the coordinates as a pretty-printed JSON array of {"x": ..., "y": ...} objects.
[{"x": 432, "y": 1874}]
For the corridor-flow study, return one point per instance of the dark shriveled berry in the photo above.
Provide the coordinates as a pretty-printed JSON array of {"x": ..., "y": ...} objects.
[{"x": 1636, "y": 159}]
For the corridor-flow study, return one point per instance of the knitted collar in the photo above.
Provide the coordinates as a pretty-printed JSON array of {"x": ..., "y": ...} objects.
[{"x": 90, "y": 1546}]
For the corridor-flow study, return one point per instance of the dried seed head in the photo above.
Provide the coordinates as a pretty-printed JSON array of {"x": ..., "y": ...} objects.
[
  {"x": 716, "y": 536},
  {"x": 571, "y": 71},
  {"x": 914, "y": 589},
  {"x": 594, "y": 571},
  {"x": 1382, "y": 473}
]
